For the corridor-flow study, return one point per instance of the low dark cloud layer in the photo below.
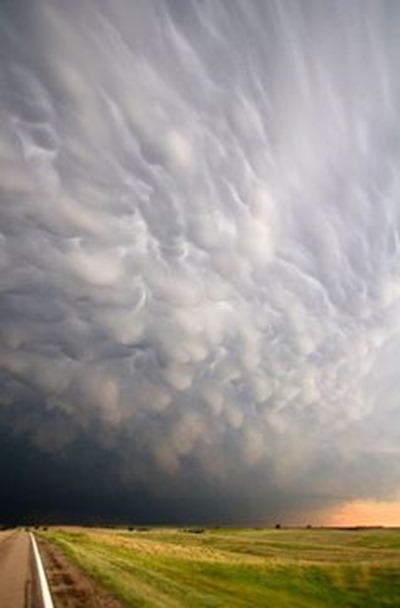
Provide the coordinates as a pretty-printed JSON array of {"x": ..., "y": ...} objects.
[{"x": 199, "y": 257}]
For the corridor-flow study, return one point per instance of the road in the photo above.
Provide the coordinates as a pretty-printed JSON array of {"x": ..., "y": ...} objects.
[{"x": 15, "y": 570}]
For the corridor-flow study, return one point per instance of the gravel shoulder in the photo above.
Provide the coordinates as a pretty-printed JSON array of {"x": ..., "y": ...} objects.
[{"x": 70, "y": 587}]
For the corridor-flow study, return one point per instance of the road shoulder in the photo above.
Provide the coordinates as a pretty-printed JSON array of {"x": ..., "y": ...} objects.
[{"x": 70, "y": 586}]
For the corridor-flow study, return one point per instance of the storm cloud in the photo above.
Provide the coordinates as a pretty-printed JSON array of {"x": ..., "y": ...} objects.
[{"x": 199, "y": 257}]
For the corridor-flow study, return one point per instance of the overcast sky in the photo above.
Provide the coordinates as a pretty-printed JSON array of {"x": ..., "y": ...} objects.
[{"x": 199, "y": 258}]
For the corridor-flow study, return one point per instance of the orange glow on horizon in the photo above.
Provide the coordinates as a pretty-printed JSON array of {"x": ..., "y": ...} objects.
[{"x": 366, "y": 513}]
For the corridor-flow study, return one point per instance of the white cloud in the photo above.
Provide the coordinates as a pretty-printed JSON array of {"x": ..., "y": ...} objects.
[{"x": 200, "y": 233}]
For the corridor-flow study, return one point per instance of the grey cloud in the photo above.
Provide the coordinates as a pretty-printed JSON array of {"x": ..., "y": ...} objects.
[{"x": 199, "y": 246}]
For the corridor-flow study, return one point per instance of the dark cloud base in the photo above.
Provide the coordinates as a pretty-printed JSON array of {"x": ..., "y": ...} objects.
[{"x": 43, "y": 489}]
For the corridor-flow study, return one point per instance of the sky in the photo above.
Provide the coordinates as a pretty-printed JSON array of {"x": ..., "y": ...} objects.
[{"x": 199, "y": 260}]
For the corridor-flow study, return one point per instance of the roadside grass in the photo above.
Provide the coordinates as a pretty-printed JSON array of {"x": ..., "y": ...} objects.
[{"x": 170, "y": 568}]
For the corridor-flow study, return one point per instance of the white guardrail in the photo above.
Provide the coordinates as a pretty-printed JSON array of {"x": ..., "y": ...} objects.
[{"x": 44, "y": 587}]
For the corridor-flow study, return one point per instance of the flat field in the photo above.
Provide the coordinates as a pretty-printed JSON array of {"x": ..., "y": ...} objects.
[{"x": 296, "y": 568}]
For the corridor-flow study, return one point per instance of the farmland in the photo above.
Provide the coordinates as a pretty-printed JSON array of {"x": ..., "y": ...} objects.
[{"x": 294, "y": 568}]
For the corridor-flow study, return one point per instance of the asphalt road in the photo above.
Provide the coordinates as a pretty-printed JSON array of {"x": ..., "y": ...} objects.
[{"x": 15, "y": 570}]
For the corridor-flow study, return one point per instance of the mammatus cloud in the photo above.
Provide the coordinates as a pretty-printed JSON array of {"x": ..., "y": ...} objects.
[{"x": 199, "y": 250}]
